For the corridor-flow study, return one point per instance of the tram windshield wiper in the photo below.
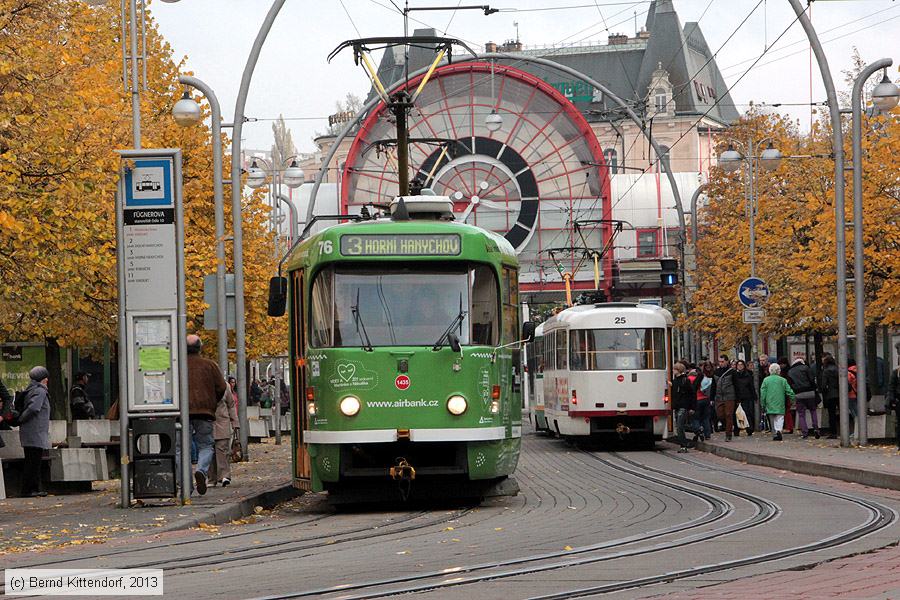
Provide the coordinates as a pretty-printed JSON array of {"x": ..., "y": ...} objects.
[
  {"x": 360, "y": 326},
  {"x": 457, "y": 320}
]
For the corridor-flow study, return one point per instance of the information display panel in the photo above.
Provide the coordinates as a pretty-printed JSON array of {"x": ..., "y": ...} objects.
[{"x": 396, "y": 244}]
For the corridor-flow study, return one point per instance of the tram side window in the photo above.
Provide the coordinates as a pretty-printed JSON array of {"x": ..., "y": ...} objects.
[
  {"x": 562, "y": 350},
  {"x": 321, "y": 309},
  {"x": 510, "y": 283},
  {"x": 485, "y": 321}
]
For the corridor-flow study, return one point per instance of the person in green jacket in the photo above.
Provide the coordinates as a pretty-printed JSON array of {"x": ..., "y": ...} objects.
[{"x": 772, "y": 394}]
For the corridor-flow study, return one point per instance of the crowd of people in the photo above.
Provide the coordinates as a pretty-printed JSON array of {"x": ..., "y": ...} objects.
[{"x": 723, "y": 398}]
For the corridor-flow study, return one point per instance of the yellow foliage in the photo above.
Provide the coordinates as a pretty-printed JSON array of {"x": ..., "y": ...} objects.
[
  {"x": 795, "y": 233},
  {"x": 63, "y": 113}
]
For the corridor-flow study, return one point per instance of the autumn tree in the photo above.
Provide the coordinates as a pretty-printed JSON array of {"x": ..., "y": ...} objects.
[
  {"x": 63, "y": 113},
  {"x": 795, "y": 229}
]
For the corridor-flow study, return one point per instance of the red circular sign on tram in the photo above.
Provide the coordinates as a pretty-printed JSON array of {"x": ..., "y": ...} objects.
[
  {"x": 620, "y": 378},
  {"x": 402, "y": 382}
]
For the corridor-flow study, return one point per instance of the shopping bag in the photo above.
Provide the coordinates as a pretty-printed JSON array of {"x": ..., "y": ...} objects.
[
  {"x": 237, "y": 451},
  {"x": 741, "y": 418}
]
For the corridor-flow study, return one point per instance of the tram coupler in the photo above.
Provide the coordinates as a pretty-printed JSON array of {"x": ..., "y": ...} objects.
[{"x": 403, "y": 471}]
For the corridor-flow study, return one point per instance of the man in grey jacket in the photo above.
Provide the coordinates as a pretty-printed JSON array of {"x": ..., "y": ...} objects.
[{"x": 34, "y": 430}]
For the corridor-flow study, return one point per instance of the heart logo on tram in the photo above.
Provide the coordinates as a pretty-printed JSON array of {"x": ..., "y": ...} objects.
[{"x": 346, "y": 371}]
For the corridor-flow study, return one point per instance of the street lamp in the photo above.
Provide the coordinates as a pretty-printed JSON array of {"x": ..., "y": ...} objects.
[
  {"x": 494, "y": 121},
  {"x": 731, "y": 161},
  {"x": 884, "y": 97},
  {"x": 186, "y": 113},
  {"x": 293, "y": 175}
]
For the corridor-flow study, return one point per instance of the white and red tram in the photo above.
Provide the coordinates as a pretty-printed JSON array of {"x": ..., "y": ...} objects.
[{"x": 606, "y": 370}]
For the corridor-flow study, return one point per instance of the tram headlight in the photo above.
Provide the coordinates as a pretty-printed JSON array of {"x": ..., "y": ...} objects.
[
  {"x": 350, "y": 405},
  {"x": 311, "y": 408},
  {"x": 457, "y": 405}
]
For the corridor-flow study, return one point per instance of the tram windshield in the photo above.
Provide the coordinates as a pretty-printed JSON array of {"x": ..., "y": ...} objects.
[
  {"x": 617, "y": 349},
  {"x": 363, "y": 306}
]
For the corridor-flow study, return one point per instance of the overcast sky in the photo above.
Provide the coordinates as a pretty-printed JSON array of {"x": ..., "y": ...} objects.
[{"x": 292, "y": 77}]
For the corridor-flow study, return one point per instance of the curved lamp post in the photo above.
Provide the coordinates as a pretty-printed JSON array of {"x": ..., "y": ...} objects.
[
  {"x": 237, "y": 222},
  {"x": 840, "y": 241},
  {"x": 884, "y": 96},
  {"x": 293, "y": 178},
  {"x": 186, "y": 113}
]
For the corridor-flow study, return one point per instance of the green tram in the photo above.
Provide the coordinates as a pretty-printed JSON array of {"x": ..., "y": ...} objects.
[{"x": 405, "y": 350}]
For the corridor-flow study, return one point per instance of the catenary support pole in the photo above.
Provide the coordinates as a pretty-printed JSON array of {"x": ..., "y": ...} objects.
[
  {"x": 135, "y": 81},
  {"x": 236, "y": 194},
  {"x": 858, "y": 249},
  {"x": 837, "y": 148},
  {"x": 219, "y": 209},
  {"x": 124, "y": 442}
]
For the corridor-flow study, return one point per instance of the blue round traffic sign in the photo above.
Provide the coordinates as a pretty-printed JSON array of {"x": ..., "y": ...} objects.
[{"x": 753, "y": 292}]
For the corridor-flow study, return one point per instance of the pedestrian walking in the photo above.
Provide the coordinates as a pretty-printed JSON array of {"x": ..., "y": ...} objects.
[
  {"x": 684, "y": 401},
  {"x": 745, "y": 393},
  {"x": 789, "y": 408},
  {"x": 723, "y": 366},
  {"x": 82, "y": 407},
  {"x": 206, "y": 386},
  {"x": 34, "y": 430},
  {"x": 726, "y": 397},
  {"x": 852, "y": 395},
  {"x": 893, "y": 401},
  {"x": 773, "y": 396},
  {"x": 803, "y": 382},
  {"x": 704, "y": 387},
  {"x": 830, "y": 393},
  {"x": 225, "y": 427}
]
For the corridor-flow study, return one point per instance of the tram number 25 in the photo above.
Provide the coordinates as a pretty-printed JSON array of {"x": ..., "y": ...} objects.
[
  {"x": 326, "y": 247},
  {"x": 620, "y": 321}
]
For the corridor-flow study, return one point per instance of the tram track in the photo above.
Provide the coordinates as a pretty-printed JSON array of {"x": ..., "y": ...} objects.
[
  {"x": 880, "y": 517},
  {"x": 719, "y": 508}
]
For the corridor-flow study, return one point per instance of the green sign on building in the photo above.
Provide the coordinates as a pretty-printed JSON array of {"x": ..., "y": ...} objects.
[{"x": 575, "y": 91}]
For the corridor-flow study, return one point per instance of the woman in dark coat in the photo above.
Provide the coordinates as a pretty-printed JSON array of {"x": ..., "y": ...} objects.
[
  {"x": 745, "y": 391},
  {"x": 830, "y": 393},
  {"x": 34, "y": 430}
]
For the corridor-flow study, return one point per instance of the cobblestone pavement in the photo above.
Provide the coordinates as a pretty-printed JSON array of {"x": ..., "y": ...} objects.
[{"x": 59, "y": 521}]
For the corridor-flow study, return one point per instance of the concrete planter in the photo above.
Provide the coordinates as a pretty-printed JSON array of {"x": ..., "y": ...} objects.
[{"x": 78, "y": 464}]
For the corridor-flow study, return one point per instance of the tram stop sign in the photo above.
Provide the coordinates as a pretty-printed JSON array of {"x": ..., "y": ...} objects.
[{"x": 753, "y": 292}]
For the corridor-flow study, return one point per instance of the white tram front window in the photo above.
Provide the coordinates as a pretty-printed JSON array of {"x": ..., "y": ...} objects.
[
  {"x": 374, "y": 306},
  {"x": 617, "y": 349}
]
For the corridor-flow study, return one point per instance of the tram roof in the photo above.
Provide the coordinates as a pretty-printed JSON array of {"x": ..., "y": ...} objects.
[
  {"x": 603, "y": 315},
  {"x": 500, "y": 249}
]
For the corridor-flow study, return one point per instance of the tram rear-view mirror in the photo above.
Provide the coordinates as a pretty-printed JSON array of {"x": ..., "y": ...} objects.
[
  {"x": 528, "y": 328},
  {"x": 277, "y": 296}
]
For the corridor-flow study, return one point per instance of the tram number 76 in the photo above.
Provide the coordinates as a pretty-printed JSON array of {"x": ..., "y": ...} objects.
[
  {"x": 620, "y": 321},
  {"x": 326, "y": 247}
]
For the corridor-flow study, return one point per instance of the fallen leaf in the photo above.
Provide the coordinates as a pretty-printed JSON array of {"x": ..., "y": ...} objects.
[{"x": 567, "y": 548}]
